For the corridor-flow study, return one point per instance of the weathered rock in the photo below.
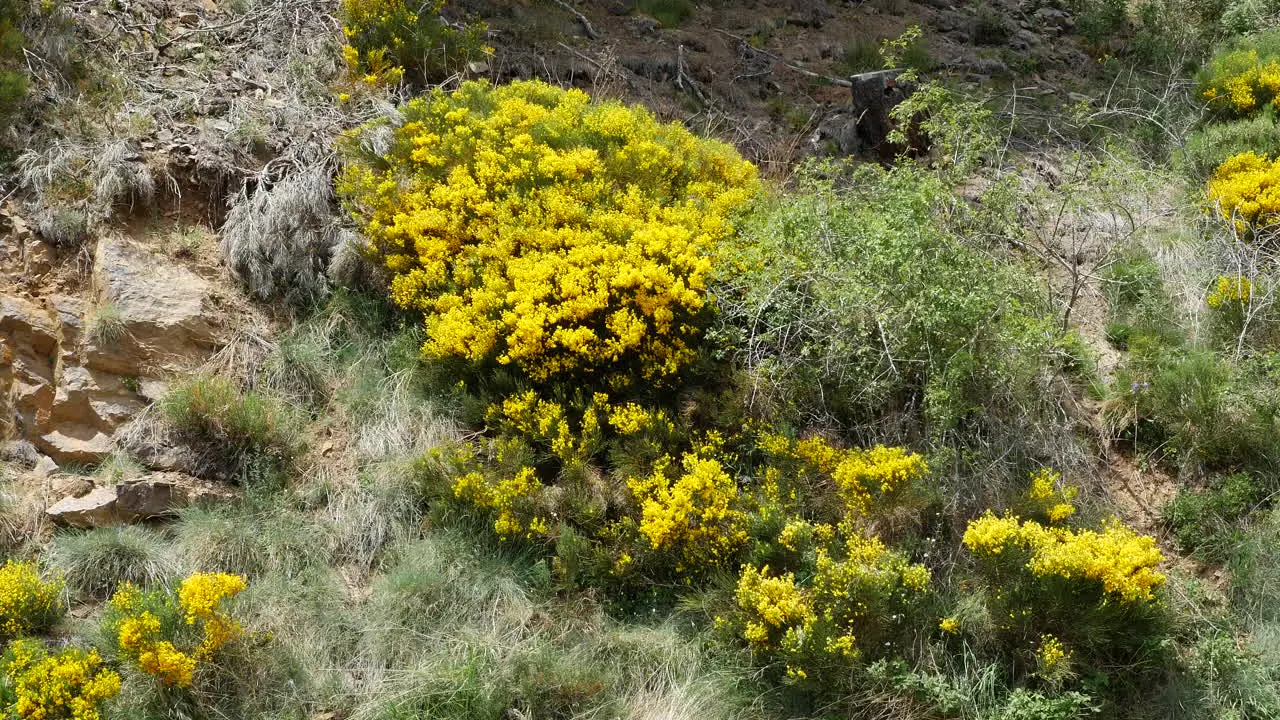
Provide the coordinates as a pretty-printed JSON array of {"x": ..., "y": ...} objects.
[
  {"x": 44, "y": 467},
  {"x": 165, "y": 314},
  {"x": 76, "y": 443},
  {"x": 28, "y": 340},
  {"x": 91, "y": 510},
  {"x": 157, "y": 495},
  {"x": 70, "y": 486},
  {"x": 38, "y": 258},
  {"x": 21, "y": 452}
]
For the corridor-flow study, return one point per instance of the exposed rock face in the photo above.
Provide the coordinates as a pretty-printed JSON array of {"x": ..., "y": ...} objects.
[
  {"x": 156, "y": 495},
  {"x": 65, "y": 385},
  {"x": 164, "y": 312}
]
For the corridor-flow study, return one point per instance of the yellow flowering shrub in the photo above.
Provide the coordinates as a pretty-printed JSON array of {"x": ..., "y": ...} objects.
[
  {"x": 535, "y": 228},
  {"x": 1118, "y": 560},
  {"x": 166, "y": 634},
  {"x": 389, "y": 39},
  {"x": 1240, "y": 83},
  {"x": 1049, "y": 497},
  {"x": 1245, "y": 190},
  {"x": 69, "y": 685},
  {"x": 864, "y": 480},
  {"x": 856, "y": 585},
  {"x": 949, "y": 625},
  {"x": 696, "y": 516},
  {"x": 28, "y": 604},
  {"x": 1230, "y": 293}
]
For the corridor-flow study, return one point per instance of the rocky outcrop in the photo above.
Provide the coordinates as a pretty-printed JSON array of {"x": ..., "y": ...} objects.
[
  {"x": 149, "y": 497},
  {"x": 75, "y": 369}
]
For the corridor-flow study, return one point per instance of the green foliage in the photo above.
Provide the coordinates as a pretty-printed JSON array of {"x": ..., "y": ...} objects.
[
  {"x": 96, "y": 562},
  {"x": 855, "y": 301},
  {"x": 1100, "y": 20},
  {"x": 669, "y": 13},
  {"x": 1212, "y": 144},
  {"x": 13, "y": 78},
  {"x": 240, "y": 427},
  {"x": 1232, "y": 681},
  {"x": 1208, "y": 520}
]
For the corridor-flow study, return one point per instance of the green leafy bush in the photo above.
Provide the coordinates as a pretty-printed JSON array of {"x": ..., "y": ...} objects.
[
  {"x": 1208, "y": 519},
  {"x": 855, "y": 301},
  {"x": 1211, "y": 145},
  {"x": 13, "y": 81}
]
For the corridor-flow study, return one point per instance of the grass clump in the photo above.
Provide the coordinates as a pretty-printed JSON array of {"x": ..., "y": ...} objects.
[
  {"x": 94, "y": 563},
  {"x": 104, "y": 323},
  {"x": 223, "y": 421}
]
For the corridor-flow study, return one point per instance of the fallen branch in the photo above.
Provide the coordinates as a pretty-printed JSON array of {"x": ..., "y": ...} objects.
[
  {"x": 586, "y": 24},
  {"x": 841, "y": 82}
]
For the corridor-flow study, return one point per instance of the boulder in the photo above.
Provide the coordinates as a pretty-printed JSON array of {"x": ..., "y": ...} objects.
[
  {"x": 166, "y": 314},
  {"x": 76, "y": 443},
  {"x": 94, "y": 509},
  {"x": 152, "y": 496}
]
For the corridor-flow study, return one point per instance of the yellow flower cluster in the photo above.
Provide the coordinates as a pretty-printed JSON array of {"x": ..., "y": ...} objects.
[
  {"x": 71, "y": 685},
  {"x": 1242, "y": 82},
  {"x": 1230, "y": 292},
  {"x": 1245, "y": 190},
  {"x": 27, "y": 603},
  {"x": 1121, "y": 561},
  {"x": 507, "y": 498},
  {"x": 696, "y": 516},
  {"x": 388, "y": 38},
  {"x": 857, "y": 474},
  {"x": 1052, "y": 657},
  {"x": 949, "y": 625},
  {"x": 146, "y": 639},
  {"x": 201, "y": 596},
  {"x": 533, "y": 227},
  {"x": 1052, "y": 501},
  {"x": 853, "y": 583}
]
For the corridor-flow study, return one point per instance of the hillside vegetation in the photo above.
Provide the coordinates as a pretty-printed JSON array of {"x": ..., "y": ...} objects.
[{"x": 566, "y": 360}]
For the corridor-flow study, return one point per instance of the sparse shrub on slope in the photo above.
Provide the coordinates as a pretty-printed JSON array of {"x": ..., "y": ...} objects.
[
  {"x": 537, "y": 229},
  {"x": 13, "y": 79},
  {"x": 857, "y": 302}
]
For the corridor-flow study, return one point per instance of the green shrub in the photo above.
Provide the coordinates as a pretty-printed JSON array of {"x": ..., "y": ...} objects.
[
  {"x": 669, "y": 13},
  {"x": 1100, "y": 20},
  {"x": 1211, "y": 145},
  {"x": 13, "y": 78},
  {"x": 97, "y": 561},
  {"x": 235, "y": 426},
  {"x": 1207, "y": 520},
  {"x": 855, "y": 301},
  {"x": 1233, "y": 683}
]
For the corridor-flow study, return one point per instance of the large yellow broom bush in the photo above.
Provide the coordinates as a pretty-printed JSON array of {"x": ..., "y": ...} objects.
[{"x": 536, "y": 228}]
